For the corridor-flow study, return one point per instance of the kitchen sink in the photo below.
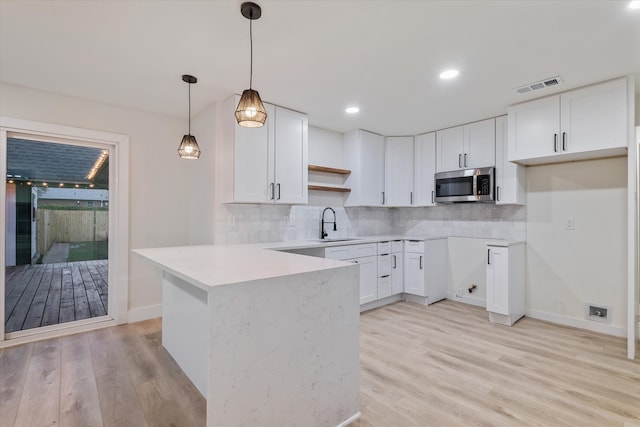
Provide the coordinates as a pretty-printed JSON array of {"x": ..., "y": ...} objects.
[{"x": 339, "y": 239}]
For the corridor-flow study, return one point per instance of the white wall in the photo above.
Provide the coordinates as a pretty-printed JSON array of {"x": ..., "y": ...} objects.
[
  {"x": 568, "y": 268},
  {"x": 158, "y": 177},
  {"x": 201, "y": 175}
]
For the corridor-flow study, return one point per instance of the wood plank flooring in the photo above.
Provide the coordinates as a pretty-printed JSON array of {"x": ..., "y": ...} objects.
[
  {"x": 442, "y": 365},
  {"x": 48, "y": 294}
]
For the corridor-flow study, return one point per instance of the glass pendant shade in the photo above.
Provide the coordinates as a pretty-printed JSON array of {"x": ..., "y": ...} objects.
[
  {"x": 189, "y": 148},
  {"x": 250, "y": 112}
]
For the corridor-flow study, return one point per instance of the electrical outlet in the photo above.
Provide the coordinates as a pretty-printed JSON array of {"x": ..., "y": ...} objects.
[{"x": 570, "y": 224}]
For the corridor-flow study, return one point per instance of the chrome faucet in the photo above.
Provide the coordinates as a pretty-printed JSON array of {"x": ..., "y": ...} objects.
[{"x": 323, "y": 233}]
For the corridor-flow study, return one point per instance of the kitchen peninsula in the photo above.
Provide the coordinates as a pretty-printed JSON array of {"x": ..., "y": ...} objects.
[{"x": 269, "y": 338}]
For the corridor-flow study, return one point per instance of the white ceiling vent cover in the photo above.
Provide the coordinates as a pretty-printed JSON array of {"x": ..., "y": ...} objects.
[{"x": 542, "y": 84}]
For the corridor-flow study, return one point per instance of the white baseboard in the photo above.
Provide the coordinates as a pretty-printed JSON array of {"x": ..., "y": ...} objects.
[
  {"x": 144, "y": 313},
  {"x": 350, "y": 420},
  {"x": 379, "y": 303},
  {"x": 578, "y": 323},
  {"x": 467, "y": 299}
]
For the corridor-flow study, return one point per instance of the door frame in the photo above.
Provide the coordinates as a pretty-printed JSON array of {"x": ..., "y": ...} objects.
[{"x": 118, "y": 222}]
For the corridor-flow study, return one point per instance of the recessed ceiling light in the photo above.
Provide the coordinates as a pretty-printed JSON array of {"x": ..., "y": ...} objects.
[
  {"x": 352, "y": 110},
  {"x": 449, "y": 74},
  {"x": 635, "y": 4}
]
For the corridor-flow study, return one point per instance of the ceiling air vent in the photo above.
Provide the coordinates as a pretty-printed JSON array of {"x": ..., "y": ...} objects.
[{"x": 552, "y": 81}]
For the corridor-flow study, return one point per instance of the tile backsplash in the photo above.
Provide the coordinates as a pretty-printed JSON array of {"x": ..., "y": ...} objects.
[{"x": 252, "y": 223}]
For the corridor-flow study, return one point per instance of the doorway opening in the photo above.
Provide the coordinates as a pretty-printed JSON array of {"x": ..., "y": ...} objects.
[{"x": 57, "y": 233}]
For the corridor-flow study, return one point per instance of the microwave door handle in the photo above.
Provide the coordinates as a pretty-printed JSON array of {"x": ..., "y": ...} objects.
[{"x": 465, "y": 160}]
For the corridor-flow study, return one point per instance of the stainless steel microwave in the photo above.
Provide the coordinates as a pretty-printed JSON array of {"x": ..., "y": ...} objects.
[{"x": 467, "y": 185}]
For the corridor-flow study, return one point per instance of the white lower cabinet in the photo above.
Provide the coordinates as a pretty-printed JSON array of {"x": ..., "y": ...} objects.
[
  {"x": 384, "y": 270},
  {"x": 365, "y": 256},
  {"x": 397, "y": 268},
  {"x": 436, "y": 277},
  {"x": 414, "y": 268},
  {"x": 426, "y": 269},
  {"x": 368, "y": 278},
  {"x": 505, "y": 282}
]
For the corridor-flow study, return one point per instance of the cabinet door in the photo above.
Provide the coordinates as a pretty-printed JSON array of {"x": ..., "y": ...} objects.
[
  {"x": 498, "y": 280},
  {"x": 534, "y": 129},
  {"x": 510, "y": 177},
  {"x": 414, "y": 274},
  {"x": 449, "y": 149},
  {"x": 384, "y": 286},
  {"x": 399, "y": 171},
  {"x": 594, "y": 118},
  {"x": 368, "y": 278},
  {"x": 291, "y": 164},
  {"x": 372, "y": 169},
  {"x": 424, "y": 164},
  {"x": 479, "y": 144},
  {"x": 397, "y": 273},
  {"x": 250, "y": 158},
  {"x": 435, "y": 270}
]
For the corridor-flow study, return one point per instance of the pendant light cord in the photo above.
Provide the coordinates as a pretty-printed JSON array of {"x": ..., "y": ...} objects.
[
  {"x": 189, "y": 108},
  {"x": 251, "y": 62}
]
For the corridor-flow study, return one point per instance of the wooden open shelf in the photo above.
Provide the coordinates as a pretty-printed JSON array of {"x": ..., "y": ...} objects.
[
  {"x": 329, "y": 188},
  {"x": 317, "y": 168}
]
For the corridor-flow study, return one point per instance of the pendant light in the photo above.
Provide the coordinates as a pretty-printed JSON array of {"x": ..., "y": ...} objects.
[
  {"x": 189, "y": 147},
  {"x": 250, "y": 112}
]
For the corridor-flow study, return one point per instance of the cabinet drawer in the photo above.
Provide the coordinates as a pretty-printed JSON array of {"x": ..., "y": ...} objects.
[
  {"x": 396, "y": 246},
  {"x": 384, "y": 286},
  {"x": 384, "y": 247},
  {"x": 368, "y": 249},
  {"x": 338, "y": 252},
  {"x": 384, "y": 265},
  {"x": 414, "y": 246}
]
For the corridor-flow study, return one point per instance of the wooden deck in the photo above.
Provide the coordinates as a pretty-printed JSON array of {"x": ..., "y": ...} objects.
[{"x": 48, "y": 294}]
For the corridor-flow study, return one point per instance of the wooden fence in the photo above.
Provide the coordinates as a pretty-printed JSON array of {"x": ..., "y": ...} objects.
[{"x": 66, "y": 226}]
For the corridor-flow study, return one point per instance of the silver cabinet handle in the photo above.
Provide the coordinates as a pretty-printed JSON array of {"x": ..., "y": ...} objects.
[
  {"x": 420, "y": 262},
  {"x": 383, "y": 198},
  {"x": 433, "y": 200},
  {"x": 354, "y": 261},
  {"x": 278, "y": 191},
  {"x": 459, "y": 160},
  {"x": 488, "y": 256},
  {"x": 555, "y": 142},
  {"x": 564, "y": 141},
  {"x": 498, "y": 193},
  {"x": 395, "y": 262},
  {"x": 411, "y": 197},
  {"x": 465, "y": 160},
  {"x": 386, "y": 275},
  {"x": 273, "y": 192}
]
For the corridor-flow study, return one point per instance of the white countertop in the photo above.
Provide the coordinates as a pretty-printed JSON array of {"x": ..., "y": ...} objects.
[
  {"x": 217, "y": 265},
  {"x": 211, "y": 265}
]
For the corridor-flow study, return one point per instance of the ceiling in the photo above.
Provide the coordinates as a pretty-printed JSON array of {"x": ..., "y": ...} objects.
[{"x": 319, "y": 56}]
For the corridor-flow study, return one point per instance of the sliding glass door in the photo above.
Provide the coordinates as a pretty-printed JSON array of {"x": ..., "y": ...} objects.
[{"x": 57, "y": 234}]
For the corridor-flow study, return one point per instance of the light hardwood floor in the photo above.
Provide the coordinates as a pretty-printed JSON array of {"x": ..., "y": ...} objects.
[{"x": 443, "y": 365}]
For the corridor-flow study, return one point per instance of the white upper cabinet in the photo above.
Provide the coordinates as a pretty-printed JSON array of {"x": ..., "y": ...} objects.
[
  {"x": 399, "y": 171},
  {"x": 267, "y": 164},
  {"x": 585, "y": 123},
  {"x": 364, "y": 156},
  {"x": 449, "y": 149},
  {"x": 424, "y": 164},
  {"x": 510, "y": 177},
  {"x": 468, "y": 146},
  {"x": 291, "y": 163}
]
